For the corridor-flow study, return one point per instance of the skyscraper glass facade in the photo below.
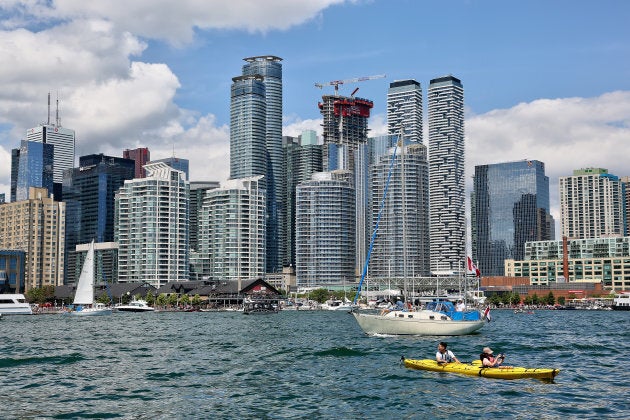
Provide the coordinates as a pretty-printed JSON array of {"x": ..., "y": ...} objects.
[
  {"x": 62, "y": 139},
  {"x": 89, "y": 193},
  {"x": 446, "y": 174},
  {"x": 510, "y": 207},
  {"x": 270, "y": 68},
  {"x": 35, "y": 168}
]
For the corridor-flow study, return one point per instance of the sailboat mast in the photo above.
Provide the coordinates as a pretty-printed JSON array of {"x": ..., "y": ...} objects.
[{"x": 404, "y": 209}]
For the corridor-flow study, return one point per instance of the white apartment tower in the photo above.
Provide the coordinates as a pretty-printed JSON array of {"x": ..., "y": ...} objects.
[
  {"x": 232, "y": 230},
  {"x": 591, "y": 204},
  {"x": 446, "y": 174},
  {"x": 152, "y": 227},
  {"x": 325, "y": 230},
  {"x": 401, "y": 249},
  {"x": 404, "y": 109}
]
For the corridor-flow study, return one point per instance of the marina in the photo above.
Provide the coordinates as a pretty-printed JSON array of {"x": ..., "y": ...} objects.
[{"x": 315, "y": 364}]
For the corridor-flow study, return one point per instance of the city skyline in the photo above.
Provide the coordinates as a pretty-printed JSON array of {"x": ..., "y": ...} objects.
[{"x": 538, "y": 86}]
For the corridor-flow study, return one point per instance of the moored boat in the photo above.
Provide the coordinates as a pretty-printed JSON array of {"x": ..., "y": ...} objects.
[
  {"x": 476, "y": 369},
  {"x": 135, "y": 306},
  {"x": 439, "y": 318},
  {"x": 14, "y": 304},
  {"x": 621, "y": 302}
]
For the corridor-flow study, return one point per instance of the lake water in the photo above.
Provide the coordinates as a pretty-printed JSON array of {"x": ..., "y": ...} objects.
[{"x": 303, "y": 365}]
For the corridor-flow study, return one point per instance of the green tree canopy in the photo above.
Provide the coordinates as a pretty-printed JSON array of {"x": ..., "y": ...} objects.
[{"x": 320, "y": 295}]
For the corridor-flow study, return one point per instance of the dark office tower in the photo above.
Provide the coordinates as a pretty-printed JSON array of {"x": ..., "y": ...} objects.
[
  {"x": 15, "y": 165},
  {"x": 198, "y": 191},
  {"x": 509, "y": 206},
  {"x": 35, "y": 168},
  {"x": 141, "y": 156},
  {"x": 2, "y": 199},
  {"x": 270, "y": 69},
  {"x": 303, "y": 157},
  {"x": 404, "y": 109},
  {"x": 446, "y": 174},
  {"x": 345, "y": 126},
  {"x": 89, "y": 192},
  {"x": 176, "y": 163}
]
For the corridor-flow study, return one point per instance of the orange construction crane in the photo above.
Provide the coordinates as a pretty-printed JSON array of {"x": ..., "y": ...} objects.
[{"x": 336, "y": 83}]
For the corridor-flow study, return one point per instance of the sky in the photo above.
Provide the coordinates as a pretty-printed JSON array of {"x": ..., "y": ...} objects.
[{"x": 545, "y": 80}]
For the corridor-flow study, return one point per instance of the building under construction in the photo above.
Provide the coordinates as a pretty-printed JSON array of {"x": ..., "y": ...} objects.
[{"x": 345, "y": 126}]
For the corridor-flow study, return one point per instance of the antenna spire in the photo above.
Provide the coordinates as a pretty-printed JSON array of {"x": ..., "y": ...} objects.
[
  {"x": 48, "y": 108},
  {"x": 57, "y": 112}
]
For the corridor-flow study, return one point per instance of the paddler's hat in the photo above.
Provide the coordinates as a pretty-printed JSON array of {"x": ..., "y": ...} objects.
[{"x": 487, "y": 350}]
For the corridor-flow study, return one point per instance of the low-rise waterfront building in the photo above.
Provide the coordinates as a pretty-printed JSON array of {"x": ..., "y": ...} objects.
[{"x": 604, "y": 260}]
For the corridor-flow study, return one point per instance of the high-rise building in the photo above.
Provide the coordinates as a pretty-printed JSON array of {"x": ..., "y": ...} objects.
[
  {"x": 36, "y": 226},
  {"x": 35, "y": 168},
  {"x": 198, "y": 191},
  {"x": 303, "y": 158},
  {"x": 446, "y": 174},
  {"x": 141, "y": 156},
  {"x": 2, "y": 198},
  {"x": 404, "y": 109},
  {"x": 89, "y": 193},
  {"x": 510, "y": 206},
  {"x": 401, "y": 249},
  {"x": 270, "y": 69},
  {"x": 232, "y": 230},
  {"x": 152, "y": 227},
  {"x": 345, "y": 126},
  {"x": 15, "y": 167},
  {"x": 177, "y": 164},
  {"x": 325, "y": 230},
  {"x": 591, "y": 204},
  {"x": 625, "y": 182},
  {"x": 62, "y": 139}
]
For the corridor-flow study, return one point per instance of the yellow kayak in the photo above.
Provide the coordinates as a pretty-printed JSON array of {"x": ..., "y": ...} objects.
[{"x": 475, "y": 369}]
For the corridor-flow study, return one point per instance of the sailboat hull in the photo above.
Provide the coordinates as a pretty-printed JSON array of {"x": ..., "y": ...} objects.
[
  {"x": 92, "y": 312},
  {"x": 414, "y": 323}
]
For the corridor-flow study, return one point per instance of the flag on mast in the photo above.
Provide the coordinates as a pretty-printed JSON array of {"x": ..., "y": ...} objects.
[{"x": 472, "y": 268}]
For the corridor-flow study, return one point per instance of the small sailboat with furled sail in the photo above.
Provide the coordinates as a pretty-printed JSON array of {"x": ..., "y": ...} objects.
[{"x": 84, "y": 296}]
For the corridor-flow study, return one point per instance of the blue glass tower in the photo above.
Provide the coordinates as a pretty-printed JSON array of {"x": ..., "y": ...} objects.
[
  {"x": 176, "y": 163},
  {"x": 89, "y": 193},
  {"x": 509, "y": 206},
  {"x": 35, "y": 168}
]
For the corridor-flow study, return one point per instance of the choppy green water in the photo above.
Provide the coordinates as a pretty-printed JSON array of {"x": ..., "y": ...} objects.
[{"x": 303, "y": 365}]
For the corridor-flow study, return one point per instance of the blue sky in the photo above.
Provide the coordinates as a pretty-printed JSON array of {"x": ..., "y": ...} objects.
[{"x": 546, "y": 80}]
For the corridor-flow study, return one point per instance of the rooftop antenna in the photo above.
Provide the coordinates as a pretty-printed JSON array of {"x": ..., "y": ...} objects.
[
  {"x": 57, "y": 113},
  {"x": 48, "y": 108}
]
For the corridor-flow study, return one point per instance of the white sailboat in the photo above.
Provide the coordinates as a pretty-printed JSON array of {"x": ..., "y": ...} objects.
[
  {"x": 84, "y": 297},
  {"x": 439, "y": 317}
]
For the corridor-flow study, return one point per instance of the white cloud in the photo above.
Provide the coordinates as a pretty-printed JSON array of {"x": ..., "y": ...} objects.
[{"x": 171, "y": 20}]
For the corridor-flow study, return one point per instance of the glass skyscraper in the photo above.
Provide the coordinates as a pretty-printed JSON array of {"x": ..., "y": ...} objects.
[
  {"x": 446, "y": 174},
  {"x": 270, "y": 68},
  {"x": 510, "y": 206},
  {"x": 404, "y": 109},
  {"x": 176, "y": 163},
  {"x": 89, "y": 193},
  {"x": 35, "y": 168},
  {"x": 63, "y": 139}
]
